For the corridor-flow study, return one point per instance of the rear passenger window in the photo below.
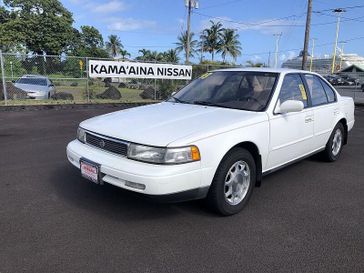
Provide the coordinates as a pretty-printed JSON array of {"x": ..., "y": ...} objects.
[
  {"x": 317, "y": 92},
  {"x": 329, "y": 92},
  {"x": 293, "y": 89}
]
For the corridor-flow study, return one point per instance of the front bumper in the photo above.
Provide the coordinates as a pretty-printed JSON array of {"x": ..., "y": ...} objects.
[
  {"x": 37, "y": 96},
  {"x": 170, "y": 181}
]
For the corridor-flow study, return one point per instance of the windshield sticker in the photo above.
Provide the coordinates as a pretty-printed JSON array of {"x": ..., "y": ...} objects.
[
  {"x": 303, "y": 91},
  {"x": 204, "y": 76}
]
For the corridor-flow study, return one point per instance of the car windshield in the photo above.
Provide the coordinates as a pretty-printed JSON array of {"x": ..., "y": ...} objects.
[
  {"x": 245, "y": 90},
  {"x": 32, "y": 81}
]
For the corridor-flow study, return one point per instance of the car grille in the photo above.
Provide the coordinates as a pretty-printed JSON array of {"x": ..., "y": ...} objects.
[{"x": 107, "y": 144}]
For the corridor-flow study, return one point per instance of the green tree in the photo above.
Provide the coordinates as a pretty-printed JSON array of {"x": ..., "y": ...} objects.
[
  {"x": 229, "y": 44},
  {"x": 43, "y": 26},
  {"x": 211, "y": 38},
  {"x": 114, "y": 45},
  {"x": 156, "y": 56},
  {"x": 148, "y": 55},
  {"x": 124, "y": 53},
  {"x": 8, "y": 38},
  {"x": 71, "y": 67},
  {"x": 145, "y": 54},
  {"x": 253, "y": 64},
  {"x": 88, "y": 43},
  {"x": 91, "y": 37},
  {"x": 182, "y": 44},
  {"x": 13, "y": 67},
  {"x": 171, "y": 56}
]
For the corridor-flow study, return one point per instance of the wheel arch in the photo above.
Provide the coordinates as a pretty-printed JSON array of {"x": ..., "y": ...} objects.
[
  {"x": 343, "y": 121},
  {"x": 254, "y": 150}
]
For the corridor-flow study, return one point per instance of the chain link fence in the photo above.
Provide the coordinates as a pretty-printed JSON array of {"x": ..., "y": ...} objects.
[{"x": 34, "y": 79}]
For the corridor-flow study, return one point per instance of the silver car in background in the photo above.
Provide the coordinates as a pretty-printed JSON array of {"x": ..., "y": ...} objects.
[{"x": 37, "y": 87}]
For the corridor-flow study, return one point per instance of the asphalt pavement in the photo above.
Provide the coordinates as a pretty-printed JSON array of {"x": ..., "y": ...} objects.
[{"x": 308, "y": 217}]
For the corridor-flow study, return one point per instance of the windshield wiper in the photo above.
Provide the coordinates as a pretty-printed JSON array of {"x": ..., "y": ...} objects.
[
  {"x": 179, "y": 100},
  {"x": 207, "y": 103},
  {"x": 201, "y": 102}
]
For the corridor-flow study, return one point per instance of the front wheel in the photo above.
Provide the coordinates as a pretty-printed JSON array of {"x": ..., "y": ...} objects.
[
  {"x": 233, "y": 183},
  {"x": 335, "y": 144}
]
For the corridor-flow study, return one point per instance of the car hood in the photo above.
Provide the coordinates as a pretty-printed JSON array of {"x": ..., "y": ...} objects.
[
  {"x": 31, "y": 87},
  {"x": 169, "y": 123}
]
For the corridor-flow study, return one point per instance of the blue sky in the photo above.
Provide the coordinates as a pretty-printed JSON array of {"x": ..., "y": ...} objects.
[{"x": 155, "y": 24}]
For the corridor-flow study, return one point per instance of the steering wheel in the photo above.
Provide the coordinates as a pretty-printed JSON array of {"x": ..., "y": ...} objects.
[
  {"x": 247, "y": 98},
  {"x": 250, "y": 98}
]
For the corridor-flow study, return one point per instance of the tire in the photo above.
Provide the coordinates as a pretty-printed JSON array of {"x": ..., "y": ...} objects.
[
  {"x": 49, "y": 95},
  {"x": 233, "y": 182},
  {"x": 335, "y": 144}
]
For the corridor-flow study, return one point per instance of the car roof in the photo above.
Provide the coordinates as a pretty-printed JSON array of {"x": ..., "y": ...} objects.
[
  {"x": 34, "y": 76},
  {"x": 266, "y": 69}
]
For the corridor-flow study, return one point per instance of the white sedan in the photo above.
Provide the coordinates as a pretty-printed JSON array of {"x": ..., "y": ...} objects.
[
  {"x": 217, "y": 137},
  {"x": 36, "y": 86}
]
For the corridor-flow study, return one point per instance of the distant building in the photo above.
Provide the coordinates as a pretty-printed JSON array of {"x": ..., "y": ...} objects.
[{"x": 323, "y": 65}]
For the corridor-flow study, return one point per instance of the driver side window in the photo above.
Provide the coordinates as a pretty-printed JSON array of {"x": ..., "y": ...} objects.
[{"x": 293, "y": 89}]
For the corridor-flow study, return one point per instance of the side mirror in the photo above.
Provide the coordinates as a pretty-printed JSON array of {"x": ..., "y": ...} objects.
[{"x": 289, "y": 106}]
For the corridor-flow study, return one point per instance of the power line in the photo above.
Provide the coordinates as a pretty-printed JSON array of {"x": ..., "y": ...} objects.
[
  {"x": 249, "y": 24},
  {"x": 293, "y": 49},
  {"x": 266, "y": 23},
  {"x": 283, "y": 18},
  {"x": 356, "y": 19},
  {"x": 349, "y": 7}
]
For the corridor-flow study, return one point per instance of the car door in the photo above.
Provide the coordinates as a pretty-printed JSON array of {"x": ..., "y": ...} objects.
[
  {"x": 291, "y": 134},
  {"x": 324, "y": 107}
]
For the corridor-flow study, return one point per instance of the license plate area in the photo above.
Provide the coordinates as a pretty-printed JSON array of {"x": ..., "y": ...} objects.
[{"x": 90, "y": 170}]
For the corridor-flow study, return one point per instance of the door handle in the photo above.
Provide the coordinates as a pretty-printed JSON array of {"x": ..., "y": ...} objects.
[
  {"x": 336, "y": 111},
  {"x": 308, "y": 119}
]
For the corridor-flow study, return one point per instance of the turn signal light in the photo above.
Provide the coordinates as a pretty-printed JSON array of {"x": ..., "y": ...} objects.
[{"x": 195, "y": 153}]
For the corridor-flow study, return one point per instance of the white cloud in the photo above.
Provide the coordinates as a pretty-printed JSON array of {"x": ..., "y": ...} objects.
[
  {"x": 130, "y": 24},
  {"x": 266, "y": 26},
  {"x": 108, "y": 7},
  {"x": 257, "y": 58},
  {"x": 287, "y": 56}
]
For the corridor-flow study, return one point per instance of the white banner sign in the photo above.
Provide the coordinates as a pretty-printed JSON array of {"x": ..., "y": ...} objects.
[{"x": 114, "y": 69}]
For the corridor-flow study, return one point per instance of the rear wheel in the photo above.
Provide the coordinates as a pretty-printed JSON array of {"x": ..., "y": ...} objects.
[
  {"x": 335, "y": 143},
  {"x": 233, "y": 183}
]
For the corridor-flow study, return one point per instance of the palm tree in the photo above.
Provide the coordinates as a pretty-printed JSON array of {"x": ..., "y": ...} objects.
[
  {"x": 145, "y": 54},
  {"x": 171, "y": 56},
  {"x": 182, "y": 44},
  {"x": 124, "y": 53},
  {"x": 155, "y": 56},
  {"x": 211, "y": 38},
  {"x": 253, "y": 64},
  {"x": 229, "y": 44},
  {"x": 114, "y": 45}
]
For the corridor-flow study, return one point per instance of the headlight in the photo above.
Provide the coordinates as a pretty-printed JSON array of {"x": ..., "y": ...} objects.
[
  {"x": 163, "y": 155},
  {"x": 81, "y": 135}
]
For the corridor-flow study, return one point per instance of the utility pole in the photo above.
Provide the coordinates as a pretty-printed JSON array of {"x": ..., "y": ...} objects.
[
  {"x": 269, "y": 59},
  {"x": 3, "y": 77},
  {"x": 190, "y": 4},
  {"x": 278, "y": 37},
  {"x": 312, "y": 50},
  {"x": 338, "y": 13},
  {"x": 341, "y": 54},
  {"x": 307, "y": 34}
]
